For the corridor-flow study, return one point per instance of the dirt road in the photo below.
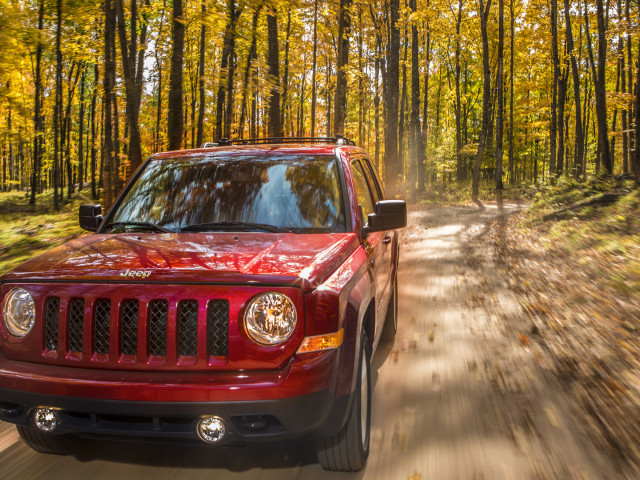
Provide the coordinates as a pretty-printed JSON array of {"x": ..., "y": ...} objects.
[{"x": 461, "y": 394}]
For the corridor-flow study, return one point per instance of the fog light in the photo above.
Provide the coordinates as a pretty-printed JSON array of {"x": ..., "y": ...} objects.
[
  {"x": 45, "y": 419},
  {"x": 211, "y": 429}
]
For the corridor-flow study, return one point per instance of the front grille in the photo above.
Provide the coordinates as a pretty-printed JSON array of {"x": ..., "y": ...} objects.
[
  {"x": 158, "y": 314},
  {"x": 150, "y": 333},
  {"x": 188, "y": 328},
  {"x": 217, "y": 327},
  {"x": 129, "y": 327},
  {"x": 52, "y": 314},
  {"x": 75, "y": 323},
  {"x": 102, "y": 325}
]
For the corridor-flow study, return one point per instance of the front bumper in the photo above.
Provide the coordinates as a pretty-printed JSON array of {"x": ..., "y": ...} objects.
[
  {"x": 318, "y": 414},
  {"x": 298, "y": 400}
]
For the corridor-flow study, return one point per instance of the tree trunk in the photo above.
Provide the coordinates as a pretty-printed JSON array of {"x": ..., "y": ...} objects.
[
  {"x": 247, "y": 73},
  {"x": 175, "y": 119},
  {"x": 599, "y": 85},
  {"x": 201, "y": 76},
  {"x": 313, "y": 68},
  {"x": 285, "y": 111},
  {"x": 361, "y": 95},
  {"x": 376, "y": 103},
  {"x": 630, "y": 105},
  {"x": 635, "y": 165},
  {"x": 81, "y": 128},
  {"x": 158, "y": 145},
  {"x": 224, "y": 69},
  {"x": 486, "y": 97},
  {"x": 562, "y": 97},
  {"x": 57, "y": 110},
  {"x": 328, "y": 96},
  {"x": 344, "y": 32},
  {"x": 66, "y": 129},
  {"x": 461, "y": 171},
  {"x": 37, "y": 115},
  {"x": 129, "y": 52},
  {"x": 512, "y": 39},
  {"x": 579, "y": 151},
  {"x": 415, "y": 179},
  {"x": 500, "y": 99},
  {"x": 403, "y": 103},
  {"x": 554, "y": 98},
  {"x": 275, "y": 126},
  {"x": 392, "y": 88},
  {"x": 422, "y": 139},
  {"x": 109, "y": 152},
  {"x": 94, "y": 98},
  {"x": 235, "y": 14}
]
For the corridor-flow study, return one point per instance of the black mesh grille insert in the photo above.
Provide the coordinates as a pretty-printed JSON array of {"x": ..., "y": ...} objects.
[
  {"x": 217, "y": 327},
  {"x": 101, "y": 325},
  {"x": 157, "y": 336},
  {"x": 129, "y": 327},
  {"x": 75, "y": 323},
  {"x": 188, "y": 327},
  {"x": 52, "y": 314}
]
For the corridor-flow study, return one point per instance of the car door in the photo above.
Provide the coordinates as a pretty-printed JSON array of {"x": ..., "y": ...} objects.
[
  {"x": 387, "y": 256},
  {"x": 374, "y": 243}
]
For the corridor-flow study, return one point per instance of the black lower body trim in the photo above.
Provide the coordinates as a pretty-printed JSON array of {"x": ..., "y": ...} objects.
[{"x": 319, "y": 414}]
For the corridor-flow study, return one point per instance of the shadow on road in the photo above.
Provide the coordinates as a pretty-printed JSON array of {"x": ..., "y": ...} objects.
[{"x": 198, "y": 456}]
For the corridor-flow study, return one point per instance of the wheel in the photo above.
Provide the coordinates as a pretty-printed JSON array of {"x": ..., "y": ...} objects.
[
  {"x": 391, "y": 319},
  {"x": 46, "y": 443},
  {"x": 348, "y": 450}
]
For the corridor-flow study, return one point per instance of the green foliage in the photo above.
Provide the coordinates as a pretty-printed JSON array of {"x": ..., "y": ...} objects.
[
  {"x": 607, "y": 237},
  {"x": 26, "y": 231}
]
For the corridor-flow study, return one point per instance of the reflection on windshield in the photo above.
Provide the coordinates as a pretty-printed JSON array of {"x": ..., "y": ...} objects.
[{"x": 300, "y": 193}]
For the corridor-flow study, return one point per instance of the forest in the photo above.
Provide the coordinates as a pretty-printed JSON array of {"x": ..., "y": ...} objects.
[{"x": 437, "y": 91}]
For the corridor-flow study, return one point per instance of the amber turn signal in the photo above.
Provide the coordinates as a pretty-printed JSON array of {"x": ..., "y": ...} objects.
[{"x": 319, "y": 343}]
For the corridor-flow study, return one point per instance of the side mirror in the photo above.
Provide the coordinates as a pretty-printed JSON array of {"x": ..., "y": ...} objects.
[
  {"x": 390, "y": 214},
  {"x": 90, "y": 217}
]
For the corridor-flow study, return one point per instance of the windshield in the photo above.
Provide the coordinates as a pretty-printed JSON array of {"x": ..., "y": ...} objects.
[{"x": 296, "y": 193}]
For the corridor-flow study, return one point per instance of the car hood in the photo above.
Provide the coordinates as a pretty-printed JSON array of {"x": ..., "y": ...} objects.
[{"x": 305, "y": 260}]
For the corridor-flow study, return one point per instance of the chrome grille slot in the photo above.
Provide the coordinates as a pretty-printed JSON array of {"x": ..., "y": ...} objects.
[
  {"x": 52, "y": 314},
  {"x": 129, "y": 327},
  {"x": 75, "y": 324},
  {"x": 188, "y": 328},
  {"x": 217, "y": 327},
  {"x": 101, "y": 325},
  {"x": 157, "y": 330}
]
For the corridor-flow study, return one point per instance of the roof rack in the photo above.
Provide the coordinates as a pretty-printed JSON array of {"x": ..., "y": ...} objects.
[{"x": 224, "y": 142}]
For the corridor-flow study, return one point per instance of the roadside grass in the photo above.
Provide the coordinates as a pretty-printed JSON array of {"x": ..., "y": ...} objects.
[
  {"x": 605, "y": 238},
  {"x": 27, "y": 230},
  {"x": 460, "y": 193},
  {"x": 576, "y": 270}
]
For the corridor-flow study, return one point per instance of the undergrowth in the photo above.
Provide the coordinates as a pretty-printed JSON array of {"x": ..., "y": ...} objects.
[
  {"x": 606, "y": 237},
  {"x": 460, "y": 193},
  {"x": 27, "y": 230}
]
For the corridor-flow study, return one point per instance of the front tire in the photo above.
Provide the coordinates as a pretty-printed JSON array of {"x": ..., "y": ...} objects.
[
  {"x": 46, "y": 443},
  {"x": 348, "y": 450}
]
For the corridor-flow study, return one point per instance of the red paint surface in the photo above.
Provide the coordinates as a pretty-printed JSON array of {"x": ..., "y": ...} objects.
[{"x": 244, "y": 257}]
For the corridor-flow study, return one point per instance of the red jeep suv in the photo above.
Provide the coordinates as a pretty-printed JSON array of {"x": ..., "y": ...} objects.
[{"x": 232, "y": 294}]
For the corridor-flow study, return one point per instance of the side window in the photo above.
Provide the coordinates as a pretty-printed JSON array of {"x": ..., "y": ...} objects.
[
  {"x": 362, "y": 190},
  {"x": 374, "y": 182}
]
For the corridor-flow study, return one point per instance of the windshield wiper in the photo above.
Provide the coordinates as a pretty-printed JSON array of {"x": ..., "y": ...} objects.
[
  {"x": 147, "y": 225},
  {"x": 234, "y": 226}
]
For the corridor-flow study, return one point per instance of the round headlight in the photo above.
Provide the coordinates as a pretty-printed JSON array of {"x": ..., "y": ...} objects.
[
  {"x": 270, "y": 318},
  {"x": 19, "y": 312}
]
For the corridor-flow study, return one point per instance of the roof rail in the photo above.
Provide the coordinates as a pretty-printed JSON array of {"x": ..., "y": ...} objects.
[{"x": 338, "y": 140}]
